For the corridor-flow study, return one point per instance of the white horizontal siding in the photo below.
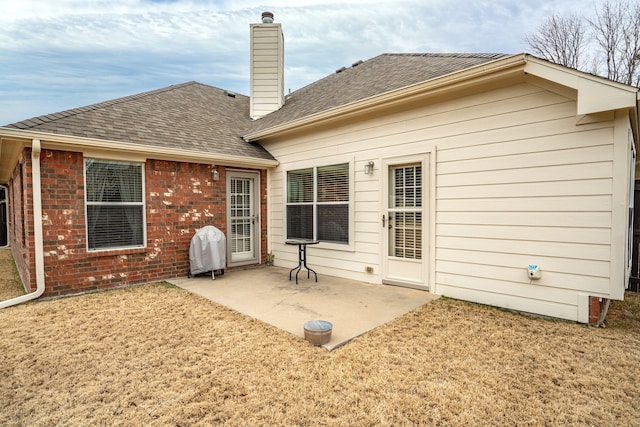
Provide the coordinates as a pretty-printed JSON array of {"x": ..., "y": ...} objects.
[
  {"x": 517, "y": 181},
  {"x": 601, "y": 203},
  {"x": 520, "y": 161},
  {"x": 267, "y": 72},
  {"x": 498, "y": 286},
  {"x": 407, "y": 132},
  {"x": 546, "y": 305},
  {"x": 529, "y": 189},
  {"x": 528, "y": 247},
  {"x": 598, "y": 236},
  {"x": 553, "y": 173},
  {"x": 538, "y": 199},
  {"x": 558, "y": 219},
  {"x": 578, "y": 267},
  {"x": 514, "y": 275}
]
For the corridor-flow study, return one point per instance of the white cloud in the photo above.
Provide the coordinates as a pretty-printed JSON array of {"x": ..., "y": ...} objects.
[{"x": 68, "y": 53}]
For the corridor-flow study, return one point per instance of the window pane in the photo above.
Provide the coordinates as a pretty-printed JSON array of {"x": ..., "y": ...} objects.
[
  {"x": 114, "y": 226},
  {"x": 242, "y": 240},
  {"x": 109, "y": 185},
  {"x": 333, "y": 223},
  {"x": 108, "y": 181},
  {"x": 300, "y": 222},
  {"x": 406, "y": 235},
  {"x": 407, "y": 187},
  {"x": 333, "y": 183},
  {"x": 300, "y": 186},
  {"x": 321, "y": 191}
]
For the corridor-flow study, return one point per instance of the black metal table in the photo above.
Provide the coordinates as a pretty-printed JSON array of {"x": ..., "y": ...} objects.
[{"x": 302, "y": 256}]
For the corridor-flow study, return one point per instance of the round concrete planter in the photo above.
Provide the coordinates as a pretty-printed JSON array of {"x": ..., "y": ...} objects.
[{"x": 318, "y": 332}]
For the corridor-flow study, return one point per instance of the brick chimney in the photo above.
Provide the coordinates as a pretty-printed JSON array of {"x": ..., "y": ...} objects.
[{"x": 267, "y": 67}]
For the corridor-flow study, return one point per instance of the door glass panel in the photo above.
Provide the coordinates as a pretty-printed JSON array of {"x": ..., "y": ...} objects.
[
  {"x": 405, "y": 212},
  {"x": 242, "y": 219}
]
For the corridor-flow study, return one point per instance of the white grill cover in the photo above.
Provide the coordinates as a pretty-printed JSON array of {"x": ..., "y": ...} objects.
[{"x": 208, "y": 250}]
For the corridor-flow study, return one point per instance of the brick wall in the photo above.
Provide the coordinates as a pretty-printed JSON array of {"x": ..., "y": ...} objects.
[
  {"x": 63, "y": 224},
  {"x": 596, "y": 309},
  {"x": 20, "y": 230},
  {"x": 180, "y": 198}
]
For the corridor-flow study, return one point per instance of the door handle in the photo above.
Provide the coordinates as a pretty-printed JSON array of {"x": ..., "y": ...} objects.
[{"x": 383, "y": 221}]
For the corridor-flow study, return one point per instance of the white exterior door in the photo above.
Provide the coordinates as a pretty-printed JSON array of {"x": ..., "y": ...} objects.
[
  {"x": 404, "y": 223},
  {"x": 242, "y": 212}
]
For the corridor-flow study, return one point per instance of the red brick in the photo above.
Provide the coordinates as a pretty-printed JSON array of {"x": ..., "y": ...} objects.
[{"x": 63, "y": 203}]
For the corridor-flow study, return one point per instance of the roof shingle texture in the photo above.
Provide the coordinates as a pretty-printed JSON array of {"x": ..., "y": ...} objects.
[
  {"x": 190, "y": 116},
  {"x": 205, "y": 119},
  {"x": 375, "y": 76}
]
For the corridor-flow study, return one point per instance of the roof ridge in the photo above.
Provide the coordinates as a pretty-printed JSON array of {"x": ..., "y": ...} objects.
[
  {"x": 416, "y": 54},
  {"x": 446, "y": 54},
  {"x": 46, "y": 118}
]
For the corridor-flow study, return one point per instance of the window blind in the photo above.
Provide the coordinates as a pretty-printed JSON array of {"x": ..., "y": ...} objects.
[
  {"x": 114, "y": 202},
  {"x": 318, "y": 203}
]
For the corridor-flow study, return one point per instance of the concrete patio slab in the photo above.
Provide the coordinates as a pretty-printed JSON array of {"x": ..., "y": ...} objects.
[{"x": 267, "y": 294}]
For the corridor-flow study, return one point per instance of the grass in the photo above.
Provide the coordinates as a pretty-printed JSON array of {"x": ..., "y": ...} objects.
[
  {"x": 158, "y": 355},
  {"x": 10, "y": 284}
]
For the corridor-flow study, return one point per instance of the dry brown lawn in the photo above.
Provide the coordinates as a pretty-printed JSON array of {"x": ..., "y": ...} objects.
[
  {"x": 158, "y": 355},
  {"x": 10, "y": 284}
]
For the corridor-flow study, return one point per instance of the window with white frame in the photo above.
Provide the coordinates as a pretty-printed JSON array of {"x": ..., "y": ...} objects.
[
  {"x": 318, "y": 203},
  {"x": 115, "y": 204}
]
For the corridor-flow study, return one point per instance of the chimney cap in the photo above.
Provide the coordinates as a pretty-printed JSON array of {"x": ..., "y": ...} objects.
[{"x": 267, "y": 17}]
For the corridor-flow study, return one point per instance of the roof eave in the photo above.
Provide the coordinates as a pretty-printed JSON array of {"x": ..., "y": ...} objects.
[
  {"x": 439, "y": 84},
  {"x": 124, "y": 150},
  {"x": 595, "y": 94}
]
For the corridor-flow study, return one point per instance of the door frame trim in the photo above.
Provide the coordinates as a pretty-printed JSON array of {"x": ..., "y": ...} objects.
[
  {"x": 428, "y": 160},
  {"x": 241, "y": 173}
]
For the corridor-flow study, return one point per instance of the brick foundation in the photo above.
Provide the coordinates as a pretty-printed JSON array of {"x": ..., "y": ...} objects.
[{"x": 596, "y": 309}]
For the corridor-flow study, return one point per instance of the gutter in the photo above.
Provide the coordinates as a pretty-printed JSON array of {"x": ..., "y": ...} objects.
[
  {"x": 65, "y": 142},
  {"x": 37, "y": 230}
]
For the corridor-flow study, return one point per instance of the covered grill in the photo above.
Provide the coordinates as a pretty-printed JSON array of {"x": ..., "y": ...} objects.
[{"x": 208, "y": 251}]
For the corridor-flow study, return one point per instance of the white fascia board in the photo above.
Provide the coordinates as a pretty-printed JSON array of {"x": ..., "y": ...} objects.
[
  {"x": 500, "y": 67},
  {"x": 137, "y": 152},
  {"x": 595, "y": 94}
]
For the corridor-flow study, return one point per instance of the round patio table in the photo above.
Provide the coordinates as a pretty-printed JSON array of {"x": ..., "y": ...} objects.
[{"x": 302, "y": 256}]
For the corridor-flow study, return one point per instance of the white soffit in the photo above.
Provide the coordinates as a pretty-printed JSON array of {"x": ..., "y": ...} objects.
[{"x": 595, "y": 94}]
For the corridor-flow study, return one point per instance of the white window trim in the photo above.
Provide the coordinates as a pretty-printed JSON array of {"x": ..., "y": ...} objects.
[
  {"x": 144, "y": 206},
  {"x": 347, "y": 247}
]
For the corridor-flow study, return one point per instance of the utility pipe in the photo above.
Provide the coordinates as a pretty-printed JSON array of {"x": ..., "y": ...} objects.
[{"x": 37, "y": 229}]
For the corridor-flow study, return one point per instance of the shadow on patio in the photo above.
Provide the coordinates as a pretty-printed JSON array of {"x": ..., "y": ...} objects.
[{"x": 267, "y": 294}]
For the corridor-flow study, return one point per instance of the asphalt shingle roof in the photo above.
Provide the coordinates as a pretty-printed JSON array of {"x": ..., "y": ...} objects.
[
  {"x": 190, "y": 116},
  {"x": 202, "y": 118},
  {"x": 375, "y": 76}
]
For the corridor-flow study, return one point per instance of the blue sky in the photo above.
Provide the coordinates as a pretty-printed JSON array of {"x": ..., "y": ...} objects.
[{"x": 56, "y": 55}]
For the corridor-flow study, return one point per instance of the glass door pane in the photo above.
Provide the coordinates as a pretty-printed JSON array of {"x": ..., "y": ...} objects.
[
  {"x": 242, "y": 226},
  {"x": 405, "y": 212}
]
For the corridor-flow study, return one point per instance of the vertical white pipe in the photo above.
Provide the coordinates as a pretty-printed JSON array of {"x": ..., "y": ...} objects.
[{"x": 37, "y": 229}]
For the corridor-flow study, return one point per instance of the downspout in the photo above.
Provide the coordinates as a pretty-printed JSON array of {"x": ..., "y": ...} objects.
[{"x": 37, "y": 229}]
